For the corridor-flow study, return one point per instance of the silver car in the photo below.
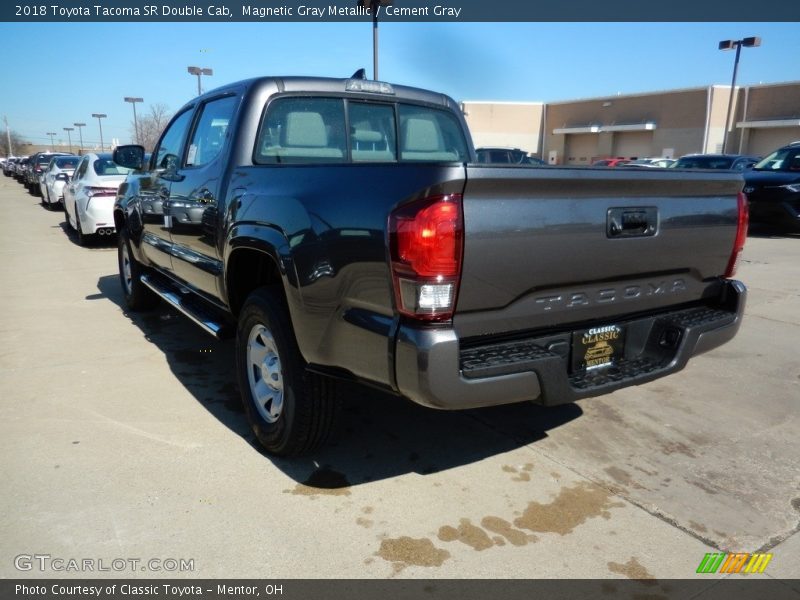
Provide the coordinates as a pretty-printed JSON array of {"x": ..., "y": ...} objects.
[
  {"x": 89, "y": 196},
  {"x": 53, "y": 180}
]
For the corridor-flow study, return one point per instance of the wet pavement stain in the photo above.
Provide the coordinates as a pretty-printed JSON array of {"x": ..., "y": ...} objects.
[
  {"x": 698, "y": 527},
  {"x": 668, "y": 448},
  {"x": 405, "y": 551},
  {"x": 522, "y": 475},
  {"x": 507, "y": 531},
  {"x": 623, "y": 478},
  {"x": 796, "y": 504},
  {"x": 365, "y": 523},
  {"x": 468, "y": 534},
  {"x": 323, "y": 482},
  {"x": 633, "y": 570},
  {"x": 569, "y": 509}
]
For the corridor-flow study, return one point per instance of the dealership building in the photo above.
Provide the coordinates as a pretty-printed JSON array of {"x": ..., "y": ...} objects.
[{"x": 666, "y": 123}]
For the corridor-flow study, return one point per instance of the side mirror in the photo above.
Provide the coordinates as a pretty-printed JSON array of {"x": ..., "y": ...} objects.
[{"x": 130, "y": 157}]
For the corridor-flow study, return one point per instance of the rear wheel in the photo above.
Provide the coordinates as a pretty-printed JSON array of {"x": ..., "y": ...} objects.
[
  {"x": 83, "y": 238},
  {"x": 291, "y": 411},
  {"x": 66, "y": 215},
  {"x": 138, "y": 296}
]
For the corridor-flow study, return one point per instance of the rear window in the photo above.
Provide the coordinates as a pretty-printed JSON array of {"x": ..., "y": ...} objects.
[
  {"x": 69, "y": 162},
  {"x": 334, "y": 130},
  {"x": 104, "y": 166}
]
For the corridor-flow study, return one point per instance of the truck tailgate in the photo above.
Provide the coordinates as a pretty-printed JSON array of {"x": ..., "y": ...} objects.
[{"x": 549, "y": 246}]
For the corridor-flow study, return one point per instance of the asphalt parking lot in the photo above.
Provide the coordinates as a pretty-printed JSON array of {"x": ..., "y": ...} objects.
[{"x": 122, "y": 437}]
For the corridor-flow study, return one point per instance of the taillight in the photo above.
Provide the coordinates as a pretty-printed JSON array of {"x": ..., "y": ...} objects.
[
  {"x": 426, "y": 239},
  {"x": 741, "y": 235}
]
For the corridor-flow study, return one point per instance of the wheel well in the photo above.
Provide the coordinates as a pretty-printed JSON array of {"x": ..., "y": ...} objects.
[
  {"x": 248, "y": 270},
  {"x": 119, "y": 220}
]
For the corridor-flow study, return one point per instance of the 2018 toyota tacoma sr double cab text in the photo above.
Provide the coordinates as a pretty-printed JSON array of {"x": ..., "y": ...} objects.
[{"x": 341, "y": 228}]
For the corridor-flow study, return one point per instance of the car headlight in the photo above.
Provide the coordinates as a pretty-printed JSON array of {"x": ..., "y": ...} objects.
[{"x": 792, "y": 187}]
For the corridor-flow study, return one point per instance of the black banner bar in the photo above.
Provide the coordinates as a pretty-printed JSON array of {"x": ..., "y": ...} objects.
[
  {"x": 702, "y": 588},
  {"x": 226, "y": 11}
]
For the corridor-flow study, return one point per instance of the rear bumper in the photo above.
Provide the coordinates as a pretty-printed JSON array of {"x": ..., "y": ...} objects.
[{"x": 434, "y": 370}]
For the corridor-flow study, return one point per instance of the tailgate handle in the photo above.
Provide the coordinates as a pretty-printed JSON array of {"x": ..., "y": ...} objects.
[{"x": 632, "y": 222}]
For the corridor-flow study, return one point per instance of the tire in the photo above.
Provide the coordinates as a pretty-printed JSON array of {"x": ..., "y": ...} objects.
[
  {"x": 46, "y": 199},
  {"x": 83, "y": 239},
  {"x": 66, "y": 215},
  {"x": 297, "y": 411},
  {"x": 138, "y": 297}
]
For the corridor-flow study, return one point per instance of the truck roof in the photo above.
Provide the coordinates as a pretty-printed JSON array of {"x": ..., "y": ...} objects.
[{"x": 330, "y": 85}]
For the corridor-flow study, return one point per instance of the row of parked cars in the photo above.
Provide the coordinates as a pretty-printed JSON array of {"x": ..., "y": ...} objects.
[
  {"x": 84, "y": 187},
  {"x": 772, "y": 184}
]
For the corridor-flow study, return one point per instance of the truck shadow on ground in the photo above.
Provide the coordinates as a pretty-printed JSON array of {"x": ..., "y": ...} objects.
[
  {"x": 759, "y": 230},
  {"x": 378, "y": 436}
]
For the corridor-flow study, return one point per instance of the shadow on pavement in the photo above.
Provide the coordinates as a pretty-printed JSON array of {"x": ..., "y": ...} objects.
[{"x": 379, "y": 436}]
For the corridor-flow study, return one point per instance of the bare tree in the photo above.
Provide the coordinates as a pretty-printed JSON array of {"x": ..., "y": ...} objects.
[
  {"x": 18, "y": 144},
  {"x": 151, "y": 125}
]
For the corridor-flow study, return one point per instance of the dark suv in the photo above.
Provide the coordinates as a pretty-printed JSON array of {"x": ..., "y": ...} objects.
[{"x": 773, "y": 188}]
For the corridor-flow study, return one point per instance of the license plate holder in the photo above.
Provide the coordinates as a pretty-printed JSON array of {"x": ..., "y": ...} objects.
[{"x": 597, "y": 347}]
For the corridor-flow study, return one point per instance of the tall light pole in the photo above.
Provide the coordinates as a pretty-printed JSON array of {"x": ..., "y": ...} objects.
[
  {"x": 8, "y": 136},
  {"x": 52, "y": 144},
  {"x": 748, "y": 42},
  {"x": 199, "y": 71},
  {"x": 99, "y": 116},
  {"x": 69, "y": 137},
  {"x": 135, "y": 123},
  {"x": 374, "y": 6},
  {"x": 80, "y": 127}
]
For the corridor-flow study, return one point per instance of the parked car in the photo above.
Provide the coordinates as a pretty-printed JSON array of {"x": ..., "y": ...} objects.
[
  {"x": 9, "y": 165},
  {"x": 728, "y": 162},
  {"x": 610, "y": 162},
  {"x": 20, "y": 168},
  {"x": 89, "y": 196},
  {"x": 651, "y": 163},
  {"x": 37, "y": 165},
  {"x": 58, "y": 173},
  {"x": 512, "y": 156},
  {"x": 773, "y": 188},
  {"x": 343, "y": 229}
]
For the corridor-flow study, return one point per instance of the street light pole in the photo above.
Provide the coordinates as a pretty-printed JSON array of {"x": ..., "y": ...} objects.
[
  {"x": 748, "y": 42},
  {"x": 135, "y": 123},
  {"x": 99, "y": 116},
  {"x": 69, "y": 136},
  {"x": 80, "y": 127},
  {"x": 199, "y": 71},
  {"x": 8, "y": 136},
  {"x": 52, "y": 143}
]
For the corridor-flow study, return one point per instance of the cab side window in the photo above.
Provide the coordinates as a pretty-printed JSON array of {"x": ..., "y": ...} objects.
[
  {"x": 170, "y": 148},
  {"x": 211, "y": 131}
]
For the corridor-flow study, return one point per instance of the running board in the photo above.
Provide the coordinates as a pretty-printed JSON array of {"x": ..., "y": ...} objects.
[{"x": 189, "y": 304}]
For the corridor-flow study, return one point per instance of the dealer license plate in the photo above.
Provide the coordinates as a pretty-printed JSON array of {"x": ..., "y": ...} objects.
[{"x": 597, "y": 347}]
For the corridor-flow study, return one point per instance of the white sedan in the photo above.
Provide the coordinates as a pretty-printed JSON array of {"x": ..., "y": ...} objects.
[
  {"x": 89, "y": 197},
  {"x": 53, "y": 180}
]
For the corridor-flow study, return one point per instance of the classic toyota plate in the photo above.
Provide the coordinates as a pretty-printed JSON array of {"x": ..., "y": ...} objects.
[{"x": 597, "y": 347}]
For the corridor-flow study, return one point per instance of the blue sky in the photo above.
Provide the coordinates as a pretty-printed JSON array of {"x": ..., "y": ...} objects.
[{"x": 90, "y": 67}]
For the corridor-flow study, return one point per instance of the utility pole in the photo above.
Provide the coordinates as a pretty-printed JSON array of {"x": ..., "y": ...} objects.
[
  {"x": 52, "y": 143},
  {"x": 69, "y": 137},
  {"x": 8, "y": 136},
  {"x": 80, "y": 133}
]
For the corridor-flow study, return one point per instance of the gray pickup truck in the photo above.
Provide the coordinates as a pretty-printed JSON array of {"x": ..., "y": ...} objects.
[{"x": 342, "y": 229}]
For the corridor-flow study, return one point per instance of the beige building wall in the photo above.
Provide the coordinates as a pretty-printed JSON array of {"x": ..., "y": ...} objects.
[
  {"x": 667, "y": 123},
  {"x": 505, "y": 124}
]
